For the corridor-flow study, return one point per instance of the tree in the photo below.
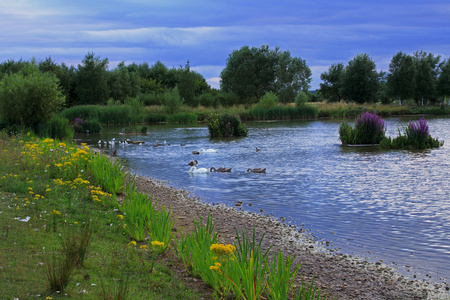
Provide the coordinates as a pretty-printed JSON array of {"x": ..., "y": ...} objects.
[
  {"x": 401, "y": 80},
  {"x": 252, "y": 72},
  {"x": 292, "y": 76},
  {"x": 172, "y": 100},
  {"x": 443, "y": 86},
  {"x": 360, "y": 81},
  {"x": 29, "y": 97},
  {"x": 332, "y": 82},
  {"x": 92, "y": 80},
  {"x": 427, "y": 66},
  {"x": 186, "y": 85}
]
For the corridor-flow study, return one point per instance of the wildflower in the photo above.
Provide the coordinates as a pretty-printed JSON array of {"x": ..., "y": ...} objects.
[
  {"x": 120, "y": 217},
  {"x": 56, "y": 212},
  {"x": 216, "y": 267},
  {"x": 48, "y": 190},
  {"x": 132, "y": 243},
  {"x": 143, "y": 247},
  {"x": 17, "y": 207},
  {"x": 62, "y": 145},
  {"x": 48, "y": 298},
  {"x": 157, "y": 244},
  {"x": 76, "y": 223},
  {"x": 222, "y": 249}
]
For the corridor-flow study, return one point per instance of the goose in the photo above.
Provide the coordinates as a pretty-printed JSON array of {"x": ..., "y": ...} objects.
[
  {"x": 256, "y": 170},
  {"x": 208, "y": 150},
  {"x": 221, "y": 169},
  {"x": 194, "y": 169},
  {"x": 193, "y": 163}
]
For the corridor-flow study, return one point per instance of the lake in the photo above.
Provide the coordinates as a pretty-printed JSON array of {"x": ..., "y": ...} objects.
[{"x": 381, "y": 205}]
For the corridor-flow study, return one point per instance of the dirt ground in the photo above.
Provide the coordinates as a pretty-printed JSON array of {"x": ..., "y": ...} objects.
[{"x": 342, "y": 276}]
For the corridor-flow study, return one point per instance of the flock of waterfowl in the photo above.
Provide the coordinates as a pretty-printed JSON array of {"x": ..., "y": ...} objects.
[{"x": 192, "y": 163}]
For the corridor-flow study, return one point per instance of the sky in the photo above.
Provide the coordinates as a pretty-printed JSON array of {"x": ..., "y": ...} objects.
[{"x": 205, "y": 33}]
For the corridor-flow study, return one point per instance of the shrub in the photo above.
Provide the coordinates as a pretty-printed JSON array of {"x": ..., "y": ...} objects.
[
  {"x": 369, "y": 129},
  {"x": 29, "y": 97},
  {"x": 227, "y": 126},
  {"x": 301, "y": 99},
  {"x": 269, "y": 100},
  {"x": 172, "y": 100}
]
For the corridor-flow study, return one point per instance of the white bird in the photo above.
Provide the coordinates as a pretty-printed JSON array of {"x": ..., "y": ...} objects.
[
  {"x": 99, "y": 142},
  {"x": 194, "y": 169},
  {"x": 208, "y": 150}
]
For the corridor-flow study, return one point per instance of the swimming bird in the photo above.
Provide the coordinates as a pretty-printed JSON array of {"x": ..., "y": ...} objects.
[
  {"x": 256, "y": 170},
  {"x": 115, "y": 153},
  {"x": 208, "y": 150},
  {"x": 221, "y": 169},
  {"x": 258, "y": 149},
  {"x": 193, "y": 163},
  {"x": 195, "y": 152},
  {"x": 194, "y": 169}
]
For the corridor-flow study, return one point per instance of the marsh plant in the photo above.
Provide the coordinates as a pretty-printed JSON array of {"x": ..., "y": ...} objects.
[
  {"x": 227, "y": 126},
  {"x": 415, "y": 136},
  {"x": 369, "y": 129}
]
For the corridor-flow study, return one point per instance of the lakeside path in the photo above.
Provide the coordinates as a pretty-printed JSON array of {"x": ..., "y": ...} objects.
[{"x": 342, "y": 276}]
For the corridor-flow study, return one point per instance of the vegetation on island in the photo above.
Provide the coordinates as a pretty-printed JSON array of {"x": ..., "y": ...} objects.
[
  {"x": 370, "y": 129},
  {"x": 63, "y": 223},
  {"x": 227, "y": 126}
]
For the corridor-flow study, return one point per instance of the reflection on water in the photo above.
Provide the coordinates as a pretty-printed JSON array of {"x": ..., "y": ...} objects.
[{"x": 385, "y": 205}]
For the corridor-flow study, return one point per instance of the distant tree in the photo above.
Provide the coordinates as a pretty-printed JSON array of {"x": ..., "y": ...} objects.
[
  {"x": 12, "y": 67},
  {"x": 122, "y": 83},
  {"x": 401, "y": 80},
  {"x": 186, "y": 85},
  {"x": 252, "y": 72},
  {"x": 269, "y": 100},
  {"x": 332, "y": 82},
  {"x": 292, "y": 76},
  {"x": 66, "y": 76},
  {"x": 443, "y": 86},
  {"x": 29, "y": 97},
  {"x": 427, "y": 66},
  {"x": 360, "y": 81},
  {"x": 301, "y": 98},
  {"x": 92, "y": 80}
]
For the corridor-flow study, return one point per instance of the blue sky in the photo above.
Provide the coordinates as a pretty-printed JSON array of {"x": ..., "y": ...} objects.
[{"x": 322, "y": 32}]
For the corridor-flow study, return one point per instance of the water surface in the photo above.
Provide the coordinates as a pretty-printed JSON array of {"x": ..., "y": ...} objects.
[{"x": 384, "y": 205}]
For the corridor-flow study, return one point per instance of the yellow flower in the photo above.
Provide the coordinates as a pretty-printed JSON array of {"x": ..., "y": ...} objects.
[
  {"x": 56, "y": 212},
  {"x": 76, "y": 223},
  {"x": 17, "y": 207},
  {"x": 132, "y": 243},
  {"x": 67, "y": 163},
  {"x": 48, "y": 298},
  {"x": 216, "y": 267},
  {"x": 222, "y": 249},
  {"x": 120, "y": 216},
  {"x": 143, "y": 247},
  {"x": 62, "y": 145},
  {"x": 48, "y": 190},
  {"x": 158, "y": 244}
]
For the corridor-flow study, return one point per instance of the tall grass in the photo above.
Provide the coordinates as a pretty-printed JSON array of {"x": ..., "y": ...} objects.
[
  {"x": 182, "y": 118},
  {"x": 283, "y": 113}
]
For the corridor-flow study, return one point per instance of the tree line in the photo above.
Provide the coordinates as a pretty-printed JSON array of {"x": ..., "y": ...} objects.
[
  {"x": 421, "y": 77},
  {"x": 249, "y": 75}
]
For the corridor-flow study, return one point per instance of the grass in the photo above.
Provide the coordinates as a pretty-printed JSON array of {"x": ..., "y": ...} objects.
[
  {"x": 62, "y": 235},
  {"x": 58, "y": 244}
]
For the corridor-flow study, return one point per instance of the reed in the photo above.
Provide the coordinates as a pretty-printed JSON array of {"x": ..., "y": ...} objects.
[
  {"x": 283, "y": 113},
  {"x": 182, "y": 118}
]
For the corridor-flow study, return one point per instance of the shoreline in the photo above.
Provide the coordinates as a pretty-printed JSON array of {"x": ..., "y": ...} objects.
[{"x": 342, "y": 275}]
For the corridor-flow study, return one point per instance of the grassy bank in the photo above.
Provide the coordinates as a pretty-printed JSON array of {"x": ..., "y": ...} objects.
[
  {"x": 125, "y": 114},
  {"x": 73, "y": 224},
  {"x": 62, "y": 235}
]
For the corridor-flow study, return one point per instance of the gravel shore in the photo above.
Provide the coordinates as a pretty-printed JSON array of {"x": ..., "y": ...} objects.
[{"x": 342, "y": 276}]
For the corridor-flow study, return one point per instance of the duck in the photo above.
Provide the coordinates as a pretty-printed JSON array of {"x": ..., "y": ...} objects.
[
  {"x": 258, "y": 149},
  {"x": 208, "y": 150},
  {"x": 115, "y": 153},
  {"x": 256, "y": 170},
  {"x": 194, "y": 169},
  {"x": 221, "y": 169},
  {"x": 195, "y": 152},
  {"x": 193, "y": 163}
]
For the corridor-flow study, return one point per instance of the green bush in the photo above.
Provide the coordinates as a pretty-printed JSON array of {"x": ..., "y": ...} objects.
[
  {"x": 29, "y": 97},
  {"x": 369, "y": 129},
  {"x": 269, "y": 100},
  {"x": 227, "y": 126},
  {"x": 301, "y": 99},
  {"x": 172, "y": 101}
]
